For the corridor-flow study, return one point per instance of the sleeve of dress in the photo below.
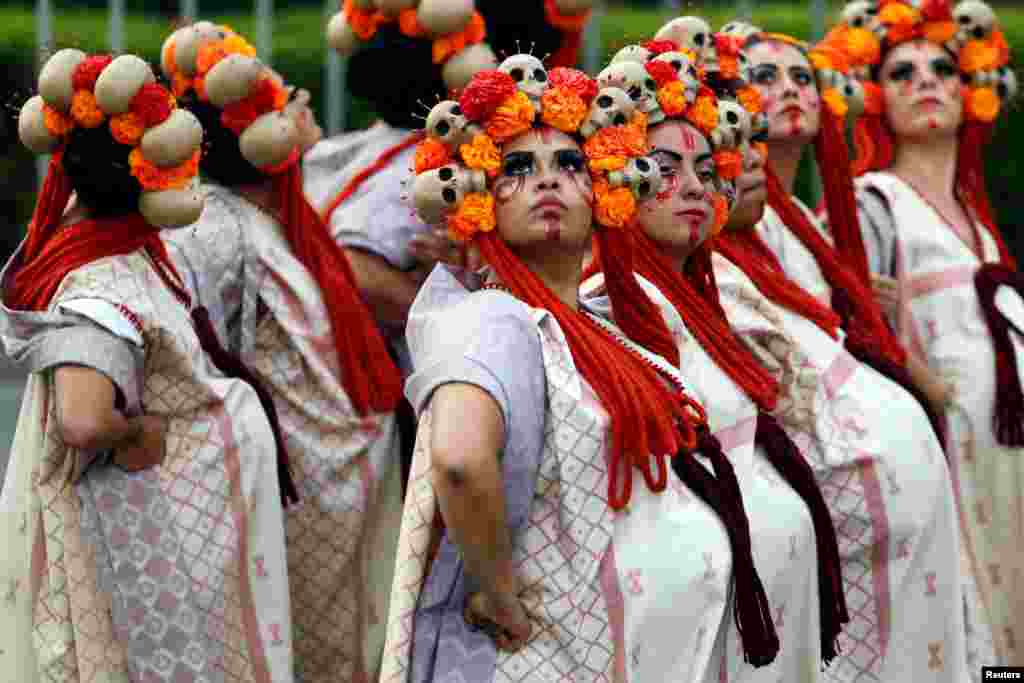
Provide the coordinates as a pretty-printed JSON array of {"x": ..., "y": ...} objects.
[
  {"x": 489, "y": 340},
  {"x": 879, "y": 231}
]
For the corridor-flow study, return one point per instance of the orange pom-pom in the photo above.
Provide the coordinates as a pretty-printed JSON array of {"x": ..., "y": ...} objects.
[
  {"x": 153, "y": 178},
  {"x": 57, "y": 123},
  {"x": 474, "y": 215},
  {"x": 728, "y": 163},
  {"x": 127, "y": 128},
  {"x": 939, "y": 32},
  {"x": 563, "y": 109},
  {"x": 672, "y": 98},
  {"x": 982, "y": 105},
  {"x": 431, "y": 154},
  {"x": 614, "y": 207},
  {"x": 482, "y": 155},
  {"x": 750, "y": 99},
  {"x": 703, "y": 113},
  {"x": 514, "y": 117},
  {"x": 85, "y": 111},
  {"x": 978, "y": 55}
]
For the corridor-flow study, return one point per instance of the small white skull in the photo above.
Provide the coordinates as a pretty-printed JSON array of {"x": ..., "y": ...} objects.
[
  {"x": 438, "y": 192},
  {"x": 641, "y": 175},
  {"x": 687, "y": 71},
  {"x": 611, "y": 107},
  {"x": 638, "y": 84},
  {"x": 529, "y": 74},
  {"x": 1006, "y": 85},
  {"x": 447, "y": 124},
  {"x": 829, "y": 78},
  {"x": 861, "y": 14},
  {"x": 740, "y": 29},
  {"x": 975, "y": 20},
  {"x": 984, "y": 79},
  {"x": 733, "y": 125},
  {"x": 690, "y": 32},
  {"x": 632, "y": 53}
]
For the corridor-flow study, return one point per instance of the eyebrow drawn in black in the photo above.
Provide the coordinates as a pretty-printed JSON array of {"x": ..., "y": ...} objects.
[
  {"x": 702, "y": 158},
  {"x": 674, "y": 155}
]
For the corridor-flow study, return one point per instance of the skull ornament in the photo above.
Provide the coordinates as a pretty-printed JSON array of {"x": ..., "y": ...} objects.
[
  {"x": 689, "y": 32},
  {"x": 529, "y": 74},
  {"x": 638, "y": 84},
  {"x": 641, "y": 175},
  {"x": 853, "y": 93},
  {"x": 686, "y": 70},
  {"x": 975, "y": 20},
  {"x": 632, "y": 53},
  {"x": 611, "y": 107},
  {"x": 440, "y": 191},
  {"x": 1006, "y": 83},
  {"x": 733, "y": 125},
  {"x": 448, "y": 125},
  {"x": 862, "y": 14},
  {"x": 740, "y": 29}
]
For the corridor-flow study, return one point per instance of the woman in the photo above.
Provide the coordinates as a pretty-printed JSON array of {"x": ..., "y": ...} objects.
[
  {"x": 934, "y": 82},
  {"x": 573, "y": 562},
  {"x": 886, "y": 487},
  {"x": 142, "y": 526},
  {"x": 684, "y": 206},
  {"x": 282, "y": 291}
]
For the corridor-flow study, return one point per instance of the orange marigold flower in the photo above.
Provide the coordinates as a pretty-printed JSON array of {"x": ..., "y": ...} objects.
[
  {"x": 721, "y": 214},
  {"x": 608, "y": 163},
  {"x": 728, "y": 66},
  {"x": 982, "y": 105},
  {"x": 574, "y": 81},
  {"x": 235, "y": 44},
  {"x": 431, "y": 154},
  {"x": 409, "y": 24},
  {"x": 863, "y": 47},
  {"x": 153, "y": 178},
  {"x": 127, "y": 128},
  {"x": 474, "y": 215},
  {"x": 482, "y": 155},
  {"x": 836, "y": 103},
  {"x": 901, "y": 20},
  {"x": 208, "y": 56},
  {"x": 85, "y": 111},
  {"x": 939, "y": 32},
  {"x": 608, "y": 148},
  {"x": 728, "y": 163},
  {"x": 703, "y": 113},
  {"x": 614, "y": 207},
  {"x": 167, "y": 56},
  {"x": 978, "y": 55},
  {"x": 563, "y": 109},
  {"x": 998, "y": 41},
  {"x": 88, "y": 71},
  {"x": 476, "y": 29},
  {"x": 672, "y": 98},
  {"x": 180, "y": 84},
  {"x": 514, "y": 117},
  {"x": 199, "y": 85},
  {"x": 820, "y": 61},
  {"x": 750, "y": 99},
  {"x": 364, "y": 22},
  {"x": 57, "y": 123}
]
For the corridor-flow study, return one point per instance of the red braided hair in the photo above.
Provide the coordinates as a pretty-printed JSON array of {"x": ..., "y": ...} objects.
[
  {"x": 649, "y": 421},
  {"x": 862, "y": 318},
  {"x": 371, "y": 378}
]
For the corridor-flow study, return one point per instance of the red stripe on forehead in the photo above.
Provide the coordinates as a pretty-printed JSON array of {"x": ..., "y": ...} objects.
[
  {"x": 687, "y": 139},
  {"x": 546, "y": 134}
]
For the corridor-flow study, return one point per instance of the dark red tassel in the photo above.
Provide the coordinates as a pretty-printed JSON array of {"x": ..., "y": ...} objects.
[
  {"x": 783, "y": 454},
  {"x": 751, "y": 611},
  {"x": 1008, "y": 417}
]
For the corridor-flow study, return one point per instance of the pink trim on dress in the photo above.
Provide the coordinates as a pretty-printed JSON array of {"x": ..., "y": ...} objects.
[
  {"x": 615, "y": 604},
  {"x": 880, "y": 554}
]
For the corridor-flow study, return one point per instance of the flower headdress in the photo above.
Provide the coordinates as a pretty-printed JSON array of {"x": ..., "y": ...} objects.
[
  {"x": 221, "y": 68},
  {"x": 77, "y": 90},
  {"x": 970, "y": 32}
]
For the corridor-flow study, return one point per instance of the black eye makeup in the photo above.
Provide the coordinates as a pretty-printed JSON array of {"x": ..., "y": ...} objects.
[
  {"x": 764, "y": 74},
  {"x": 902, "y": 71},
  {"x": 801, "y": 76},
  {"x": 570, "y": 160},
  {"x": 944, "y": 68},
  {"x": 518, "y": 164}
]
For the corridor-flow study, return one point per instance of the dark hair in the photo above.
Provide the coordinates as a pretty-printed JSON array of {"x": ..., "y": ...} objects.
[
  {"x": 222, "y": 160},
  {"x": 395, "y": 73},
  {"x": 97, "y": 166}
]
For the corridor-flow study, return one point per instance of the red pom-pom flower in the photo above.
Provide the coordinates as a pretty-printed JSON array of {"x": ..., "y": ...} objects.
[
  {"x": 88, "y": 70},
  {"x": 574, "y": 81},
  {"x": 661, "y": 72},
  {"x": 152, "y": 104},
  {"x": 659, "y": 47},
  {"x": 264, "y": 96},
  {"x": 485, "y": 93},
  {"x": 238, "y": 116}
]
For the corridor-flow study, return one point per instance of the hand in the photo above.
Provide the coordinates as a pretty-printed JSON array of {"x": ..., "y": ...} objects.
[
  {"x": 438, "y": 247},
  {"x": 887, "y": 293},
  {"x": 502, "y": 617},
  {"x": 148, "y": 450}
]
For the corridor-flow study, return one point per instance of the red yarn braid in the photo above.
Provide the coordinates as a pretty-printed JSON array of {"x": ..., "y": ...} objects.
[
  {"x": 373, "y": 382},
  {"x": 862, "y": 318},
  {"x": 649, "y": 421},
  {"x": 54, "y": 196}
]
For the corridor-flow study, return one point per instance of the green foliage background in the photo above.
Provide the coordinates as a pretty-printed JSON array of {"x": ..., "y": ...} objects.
[{"x": 299, "y": 53}]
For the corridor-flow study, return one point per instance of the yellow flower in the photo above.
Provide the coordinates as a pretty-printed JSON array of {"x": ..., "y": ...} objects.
[
  {"x": 863, "y": 47},
  {"x": 703, "y": 113},
  {"x": 235, "y": 44},
  {"x": 750, "y": 99},
  {"x": 474, "y": 215},
  {"x": 563, "y": 109},
  {"x": 978, "y": 55},
  {"x": 514, "y": 117},
  {"x": 85, "y": 110},
  {"x": 613, "y": 207},
  {"x": 821, "y": 62},
  {"x": 482, "y": 155},
  {"x": 672, "y": 98},
  {"x": 901, "y": 20}
]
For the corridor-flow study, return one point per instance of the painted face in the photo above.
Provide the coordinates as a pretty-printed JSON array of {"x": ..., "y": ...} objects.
[
  {"x": 752, "y": 189},
  {"x": 682, "y": 215},
  {"x": 921, "y": 86},
  {"x": 789, "y": 94},
  {"x": 543, "y": 195}
]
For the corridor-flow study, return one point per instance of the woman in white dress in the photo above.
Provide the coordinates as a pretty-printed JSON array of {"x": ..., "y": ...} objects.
[
  {"x": 547, "y": 439},
  {"x": 281, "y": 291},
  {"x": 141, "y": 514},
  {"x": 886, "y": 486},
  {"x": 935, "y": 82}
]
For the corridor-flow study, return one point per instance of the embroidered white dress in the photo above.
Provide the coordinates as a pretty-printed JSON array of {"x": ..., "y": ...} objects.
[
  {"x": 641, "y": 595},
  {"x": 941, "y": 321},
  {"x": 885, "y": 481},
  {"x": 342, "y": 536},
  {"x": 173, "y": 574},
  {"x": 796, "y": 259}
]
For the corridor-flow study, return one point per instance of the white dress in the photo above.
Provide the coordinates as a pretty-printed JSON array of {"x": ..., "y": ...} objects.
[{"x": 940, "y": 321}]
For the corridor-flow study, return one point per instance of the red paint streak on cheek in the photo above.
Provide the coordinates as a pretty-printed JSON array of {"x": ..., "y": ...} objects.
[
  {"x": 506, "y": 188},
  {"x": 906, "y": 88},
  {"x": 670, "y": 186},
  {"x": 933, "y": 124}
]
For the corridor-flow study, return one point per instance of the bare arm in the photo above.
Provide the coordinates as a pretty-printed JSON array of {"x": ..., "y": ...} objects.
[
  {"x": 88, "y": 420},
  {"x": 388, "y": 292}
]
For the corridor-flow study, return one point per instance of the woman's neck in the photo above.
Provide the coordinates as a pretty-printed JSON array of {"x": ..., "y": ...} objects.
[
  {"x": 785, "y": 156},
  {"x": 560, "y": 272},
  {"x": 929, "y": 165}
]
